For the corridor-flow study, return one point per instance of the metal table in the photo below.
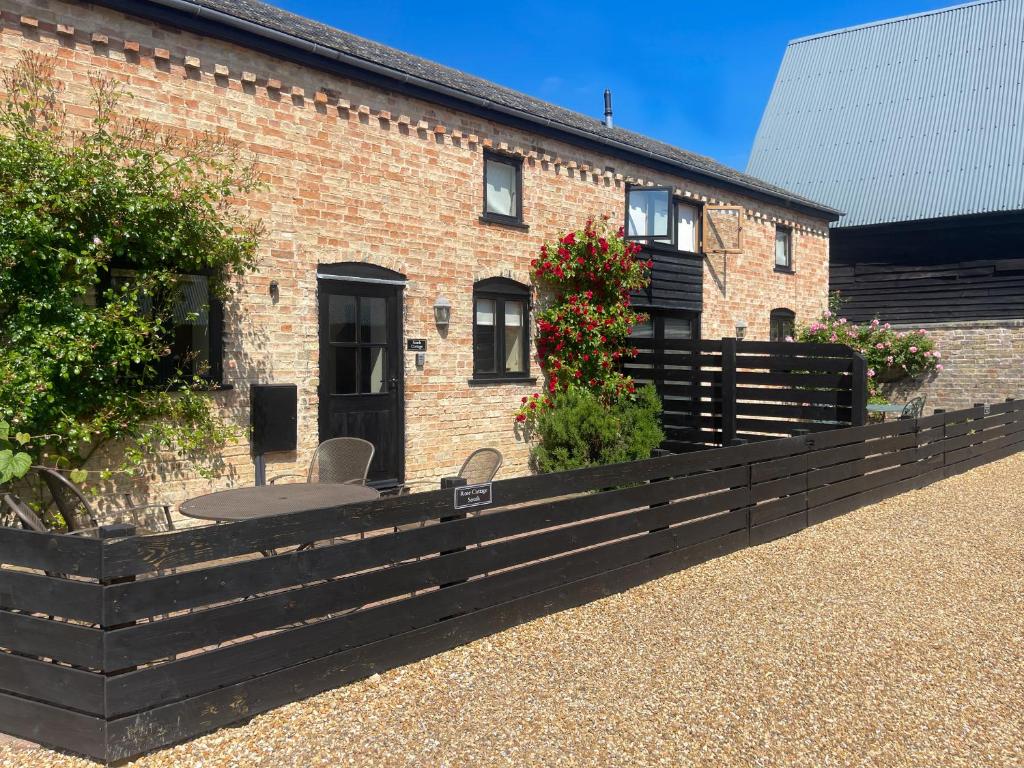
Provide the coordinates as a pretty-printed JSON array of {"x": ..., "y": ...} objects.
[
  {"x": 884, "y": 408},
  {"x": 267, "y": 500}
]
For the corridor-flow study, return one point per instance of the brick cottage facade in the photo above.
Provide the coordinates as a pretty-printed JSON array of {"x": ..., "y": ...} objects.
[{"x": 378, "y": 188}]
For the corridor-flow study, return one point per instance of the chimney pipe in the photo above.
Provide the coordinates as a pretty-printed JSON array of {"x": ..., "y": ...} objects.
[{"x": 608, "y": 107}]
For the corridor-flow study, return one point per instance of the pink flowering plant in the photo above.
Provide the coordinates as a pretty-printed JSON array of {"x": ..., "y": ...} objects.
[
  {"x": 583, "y": 332},
  {"x": 890, "y": 354}
]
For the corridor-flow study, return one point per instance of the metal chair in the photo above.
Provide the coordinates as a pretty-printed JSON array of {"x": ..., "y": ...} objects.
[
  {"x": 78, "y": 513},
  {"x": 481, "y": 466},
  {"x": 913, "y": 409},
  {"x": 338, "y": 460},
  {"x": 24, "y": 514}
]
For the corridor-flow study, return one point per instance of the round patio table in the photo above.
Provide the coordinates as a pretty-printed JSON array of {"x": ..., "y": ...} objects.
[{"x": 267, "y": 500}]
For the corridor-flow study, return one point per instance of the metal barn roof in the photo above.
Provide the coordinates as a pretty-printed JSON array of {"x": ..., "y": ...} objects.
[{"x": 912, "y": 118}]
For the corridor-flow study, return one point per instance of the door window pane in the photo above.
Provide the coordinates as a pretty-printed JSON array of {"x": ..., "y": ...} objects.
[
  {"x": 501, "y": 187},
  {"x": 373, "y": 371},
  {"x": 648, "y": 213},
  {"x": 514, "y": 332},
  {"x": 484, "y": 337},
  {"x": 686, "y": 227},
  {"x": 373, "y": 320},
  {"x": 341, "y": 319},
  {"x": 345, "y": 371}
]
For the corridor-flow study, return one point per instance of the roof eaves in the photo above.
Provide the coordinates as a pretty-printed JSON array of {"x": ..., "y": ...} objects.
[{"x": 624, "y": 141}]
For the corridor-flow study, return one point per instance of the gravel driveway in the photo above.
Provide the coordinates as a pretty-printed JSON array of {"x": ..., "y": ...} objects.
[{"x": 892, "y": 636}]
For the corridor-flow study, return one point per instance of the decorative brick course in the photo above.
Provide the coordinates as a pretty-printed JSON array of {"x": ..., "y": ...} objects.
[{"x": 404, "y": 193}]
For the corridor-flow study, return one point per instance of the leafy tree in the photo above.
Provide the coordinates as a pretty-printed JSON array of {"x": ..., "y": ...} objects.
[{"x": 81, "y": 353}]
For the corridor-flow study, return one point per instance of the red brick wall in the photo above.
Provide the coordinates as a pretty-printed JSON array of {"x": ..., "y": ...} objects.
[{"x": 354, "y": 173}]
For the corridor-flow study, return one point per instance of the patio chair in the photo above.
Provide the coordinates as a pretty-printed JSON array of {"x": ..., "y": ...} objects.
[
  {"x": 24, "y": 514},
  {"x": 338, "y": 460},
  {"x": 913, "y": 409},
  {"x": 481, "y": 466},
  {"x": 78, "y": 513}
]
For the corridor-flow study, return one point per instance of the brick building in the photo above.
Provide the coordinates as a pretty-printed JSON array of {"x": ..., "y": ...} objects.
[
  {"x": 395, "y": 185},
  {"x": 912, "y": 126}
]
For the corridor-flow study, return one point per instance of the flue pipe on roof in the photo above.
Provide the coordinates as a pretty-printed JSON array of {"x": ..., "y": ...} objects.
[{"x": 608, "y": 107}]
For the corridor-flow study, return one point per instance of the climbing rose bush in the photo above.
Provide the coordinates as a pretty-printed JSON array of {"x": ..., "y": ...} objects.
[
  {"x": 890, "y": 354},
  {"x": 583, "y": 333}
]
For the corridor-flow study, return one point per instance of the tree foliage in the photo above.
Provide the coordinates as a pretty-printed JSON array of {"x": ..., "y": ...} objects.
[
  {"x": 80, "y": 353},
  {"x": 580, "y": 430}
]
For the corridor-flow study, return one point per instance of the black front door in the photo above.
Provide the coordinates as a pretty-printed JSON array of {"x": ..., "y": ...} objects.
[{"x": 361, "y": 370}]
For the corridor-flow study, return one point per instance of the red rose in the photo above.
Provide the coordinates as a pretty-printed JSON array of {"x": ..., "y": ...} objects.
[
  {"x": 524, "y": 399},
  {"x": 521, "y": 417},
  {"x": 569, "y": 239},
  {"x": 578, "y": 374},
  {"x": 533, "y": 406}
]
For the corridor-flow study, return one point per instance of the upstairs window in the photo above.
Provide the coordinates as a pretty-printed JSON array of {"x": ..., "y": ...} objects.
[
  {"x": 783, "y": 248},
  {"x": 653, "y": 215},
  {"x": 500, "y": 329},
  {"x": 782, "y": 324},
  {"x": 503, "y": 189}
]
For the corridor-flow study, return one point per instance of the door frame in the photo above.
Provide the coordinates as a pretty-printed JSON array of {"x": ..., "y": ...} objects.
[{"x": 356, "y": 274}]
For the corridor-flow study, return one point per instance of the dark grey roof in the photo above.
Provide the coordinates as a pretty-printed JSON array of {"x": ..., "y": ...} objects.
[
  {"x": 907, "y": 119},
  {"x": 260, "y": 17}
]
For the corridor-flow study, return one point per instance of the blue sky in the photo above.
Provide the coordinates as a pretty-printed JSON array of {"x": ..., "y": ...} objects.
[{"x": 696, "y": 75}]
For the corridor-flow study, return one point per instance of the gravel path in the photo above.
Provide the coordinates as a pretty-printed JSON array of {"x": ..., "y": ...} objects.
[{"x": 892, "y": 636}]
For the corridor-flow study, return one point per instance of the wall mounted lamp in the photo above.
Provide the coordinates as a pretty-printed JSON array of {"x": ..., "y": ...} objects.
[
  {"x": 442, "y": 311},
  {"x": 741, "y": 329},
  {"x": 275, "y": 291}
]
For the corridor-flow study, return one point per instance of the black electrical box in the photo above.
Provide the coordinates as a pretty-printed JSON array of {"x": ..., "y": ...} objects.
[{"x": 273, "y": 414}]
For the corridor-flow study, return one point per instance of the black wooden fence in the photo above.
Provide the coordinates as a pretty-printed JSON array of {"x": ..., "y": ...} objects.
[
  {"x": 119, "y": 646},
  {"x": 714, "y": 392}
]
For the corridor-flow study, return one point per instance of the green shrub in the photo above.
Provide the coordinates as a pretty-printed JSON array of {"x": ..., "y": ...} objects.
[{"x": 579, "y": 430}]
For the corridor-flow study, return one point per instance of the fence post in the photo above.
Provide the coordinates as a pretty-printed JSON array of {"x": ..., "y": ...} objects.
[
  {"x": 450, "y": 483},
  {"x": 859, "y": 392},
  {"x": 728, "y": 390}
]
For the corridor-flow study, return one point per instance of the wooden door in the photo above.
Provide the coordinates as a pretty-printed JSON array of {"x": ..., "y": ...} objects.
[{"x": 361, "y": 370}]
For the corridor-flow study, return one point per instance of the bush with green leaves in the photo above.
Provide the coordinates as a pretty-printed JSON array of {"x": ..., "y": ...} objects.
[
  {"x": 890, "y": 354},
  {"x": 581, "y": 430},
  {"x": 80, "y": 352}
]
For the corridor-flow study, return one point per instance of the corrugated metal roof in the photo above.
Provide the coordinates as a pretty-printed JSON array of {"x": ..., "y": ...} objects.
[{"x": 913, "y": 118}]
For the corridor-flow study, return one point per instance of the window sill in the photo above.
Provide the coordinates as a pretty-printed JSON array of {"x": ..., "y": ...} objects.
[
  {"x": 510, "y": 223},
  {"x": 786, "y": 270},
  {"x": 503, "y": 380}
]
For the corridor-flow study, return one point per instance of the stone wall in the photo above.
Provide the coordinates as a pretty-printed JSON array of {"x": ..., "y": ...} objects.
[
  {"x": 355, "y": 173},
  {"x": 982, "y": 360}
]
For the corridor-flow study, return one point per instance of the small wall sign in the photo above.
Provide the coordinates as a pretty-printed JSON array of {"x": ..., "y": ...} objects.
[
  {"x": 416, "y": 345},
  {"x": 473, "y": 496}
]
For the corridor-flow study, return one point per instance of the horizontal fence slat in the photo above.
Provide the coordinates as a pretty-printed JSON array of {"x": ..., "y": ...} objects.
[
  {"x": 54, "y": 726},
  {"x": 790, "y": 363},
  {"x": 59, "y": 553},
  {"x": 53, "y": 596},
  {"x": 61, "y": 640},
  {"x": 53, "y": 683}
]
